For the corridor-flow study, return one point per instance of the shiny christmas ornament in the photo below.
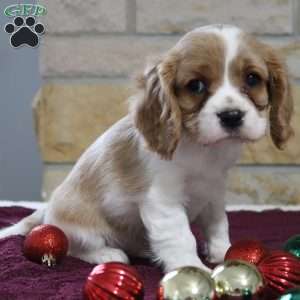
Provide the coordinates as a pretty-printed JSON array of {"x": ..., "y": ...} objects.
[
  {"x": 281, "y": 270},
  {"x": 293, "y": 245},
  {"x": 250, "y": 251},
  {"x": 293, "y": 294},
  {"x": 46, "y": 244},
  {"x": 236, "y": 278},
  {"x": 188, "y": 283},
  {"x": 113, "y": 281}
]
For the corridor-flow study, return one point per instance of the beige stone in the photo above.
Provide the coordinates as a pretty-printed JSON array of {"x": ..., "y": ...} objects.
[
  {"x": 121, "y": 56},
  {"x": 264, "y": 16},
  {"x": 296, "y": 16},
  {"x": 105, "y": 56},
  {"x": 264, "y": 185},
  {"x": 53, "y": 175},
  {"x": 73, "y": 16},
  {"x": 68, "y": 118},
  {"x": 247, "y": 185},
  {"x": 292, "y": 54}
]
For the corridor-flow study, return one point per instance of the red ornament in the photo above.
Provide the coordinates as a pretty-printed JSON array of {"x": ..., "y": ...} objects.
[
  {"x": 281, "y": 270},
  {"x": 46, "y": 244},
  {"x": 113, "y": 281},
  {"x": 251, "y": 251}
]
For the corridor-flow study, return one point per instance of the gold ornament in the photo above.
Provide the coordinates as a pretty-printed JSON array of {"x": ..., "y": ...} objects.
[
  {"x": 186, "y": 283},
  {"x": 237, "y": 278}
]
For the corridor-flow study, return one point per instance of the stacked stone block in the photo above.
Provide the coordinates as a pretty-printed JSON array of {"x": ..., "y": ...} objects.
[{"x": 92, "y": 48}]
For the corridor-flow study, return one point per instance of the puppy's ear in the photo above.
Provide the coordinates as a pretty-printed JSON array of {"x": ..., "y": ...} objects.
[
  {"x": 281, "y": 101},
  {"x": 156, "y": 112}
]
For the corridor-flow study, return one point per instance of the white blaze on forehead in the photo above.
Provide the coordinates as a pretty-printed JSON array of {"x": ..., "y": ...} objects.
[
  {"x": 231, "y": 39},
  {"x": 230, "y": 35}
]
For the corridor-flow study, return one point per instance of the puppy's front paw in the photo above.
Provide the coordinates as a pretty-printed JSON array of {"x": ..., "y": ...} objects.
[
  {"x": 217, "y": 250},
  {"x": 186, "y": 263},
  {"x": 204, "y": 268}
]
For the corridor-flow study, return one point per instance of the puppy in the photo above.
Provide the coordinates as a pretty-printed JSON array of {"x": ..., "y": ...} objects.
[{"x": 136, "y": 190}]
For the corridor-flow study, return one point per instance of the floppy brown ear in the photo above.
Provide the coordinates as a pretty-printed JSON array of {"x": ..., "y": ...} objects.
[
  {"x": 156, "y": 113},
  {"x": 280, "y": 99}
]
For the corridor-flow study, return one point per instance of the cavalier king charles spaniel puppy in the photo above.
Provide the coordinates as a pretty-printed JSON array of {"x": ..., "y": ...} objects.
[{"x": 136, "y": 190}]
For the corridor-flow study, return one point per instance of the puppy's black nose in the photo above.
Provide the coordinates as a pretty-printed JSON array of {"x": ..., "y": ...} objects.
[{"x": 231, "y": 119}]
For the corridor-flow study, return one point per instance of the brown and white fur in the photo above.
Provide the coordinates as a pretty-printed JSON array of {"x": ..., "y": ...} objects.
[{"x": 136, "y": 190}]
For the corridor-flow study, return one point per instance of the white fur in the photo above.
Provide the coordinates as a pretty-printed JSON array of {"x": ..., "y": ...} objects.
[
  {"x": 228, "y": 97},
  {"x": 25, "y": 225},
  {"x": 188, "y": 188}
]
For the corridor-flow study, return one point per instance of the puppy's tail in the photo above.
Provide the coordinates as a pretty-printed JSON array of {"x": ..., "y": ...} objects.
[{"x": 25, "y": 225}]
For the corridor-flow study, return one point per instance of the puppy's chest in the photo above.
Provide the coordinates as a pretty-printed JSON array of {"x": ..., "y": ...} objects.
[
  {"x": 198, "y": 192},
  {"x": 205, "y": 180},
  {"x": 208, "y": 161}
]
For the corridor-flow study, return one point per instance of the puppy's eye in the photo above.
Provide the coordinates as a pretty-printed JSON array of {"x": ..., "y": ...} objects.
[
  {"x": 196, "y": 86},
  {"x": 253, "y": 79}
]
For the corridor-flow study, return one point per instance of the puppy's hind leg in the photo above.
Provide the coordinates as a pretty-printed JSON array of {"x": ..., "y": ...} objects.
[
  {"x": 88, "y": 243},
  {"x": 98, "y": 252},
  {"x": 87, "y": 230},
  {"x": 103, "y": 255}
]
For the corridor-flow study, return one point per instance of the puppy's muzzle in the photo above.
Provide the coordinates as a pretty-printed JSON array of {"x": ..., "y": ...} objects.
[{"x": 231, "y": 119}]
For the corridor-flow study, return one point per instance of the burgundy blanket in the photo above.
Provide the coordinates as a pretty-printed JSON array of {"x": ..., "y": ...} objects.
[{"x": 21, "y": 279}]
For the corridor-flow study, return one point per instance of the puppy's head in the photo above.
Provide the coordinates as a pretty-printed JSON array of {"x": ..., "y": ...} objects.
[{"x": 216, "y": 83}]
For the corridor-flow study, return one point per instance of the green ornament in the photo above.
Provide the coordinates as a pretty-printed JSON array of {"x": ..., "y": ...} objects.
[
  {"x": 293, "y": 245},
  {"x": 293, "y": 294}
]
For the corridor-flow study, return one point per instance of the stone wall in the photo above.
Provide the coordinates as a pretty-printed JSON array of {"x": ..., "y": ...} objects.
[{"x": 92, "y": 48}]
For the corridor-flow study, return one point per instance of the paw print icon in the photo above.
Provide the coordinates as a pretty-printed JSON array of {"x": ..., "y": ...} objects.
[{"x": 24, "y": 32}]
